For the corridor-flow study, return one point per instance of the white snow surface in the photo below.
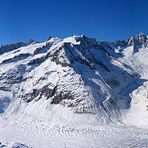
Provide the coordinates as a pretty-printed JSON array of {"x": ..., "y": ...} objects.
[{"x": 74, "y": 93}]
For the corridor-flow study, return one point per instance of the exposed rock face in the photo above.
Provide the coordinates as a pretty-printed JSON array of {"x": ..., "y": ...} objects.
[
  {"x": 139, "y": 41},
  {"x": 142, "y": 38},
  {"x": 131, "y": 41},
  {"x": 31, "y": 41}
]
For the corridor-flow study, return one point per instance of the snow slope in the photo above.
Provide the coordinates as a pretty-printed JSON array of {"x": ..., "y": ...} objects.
[
  {"x": 55, "y": 92},
  {"x": 137, "y": 114}
]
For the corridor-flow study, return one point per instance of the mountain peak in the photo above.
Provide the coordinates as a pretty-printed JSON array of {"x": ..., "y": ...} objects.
[
  {"x": 139, "y": 40},
  {"x": 141, "y": 34}
]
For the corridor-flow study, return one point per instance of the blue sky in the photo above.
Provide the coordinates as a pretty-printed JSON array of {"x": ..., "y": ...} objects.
[{"x": 21, "y": 20}]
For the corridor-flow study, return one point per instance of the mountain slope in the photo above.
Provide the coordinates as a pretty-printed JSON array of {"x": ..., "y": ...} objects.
[{"x": 74, "y": 92}]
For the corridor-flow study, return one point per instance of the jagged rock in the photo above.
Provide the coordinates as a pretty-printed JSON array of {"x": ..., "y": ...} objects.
[
  {"x": 138, "y": 41},
  {"x": 59, "y": 97},
  {"x": 31, "y": 41}
]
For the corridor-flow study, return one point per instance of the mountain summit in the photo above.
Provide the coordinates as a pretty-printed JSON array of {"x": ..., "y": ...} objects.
[{"x": 138, "y": 41}]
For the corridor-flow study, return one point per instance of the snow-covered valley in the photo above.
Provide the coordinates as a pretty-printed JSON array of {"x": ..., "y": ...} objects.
[
  {"x": 34, "y": 133},
  {"x": 75, "y": 93}
]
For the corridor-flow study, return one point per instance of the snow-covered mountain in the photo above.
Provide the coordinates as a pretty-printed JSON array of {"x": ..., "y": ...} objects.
[{"x": 75, "y": 80}]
